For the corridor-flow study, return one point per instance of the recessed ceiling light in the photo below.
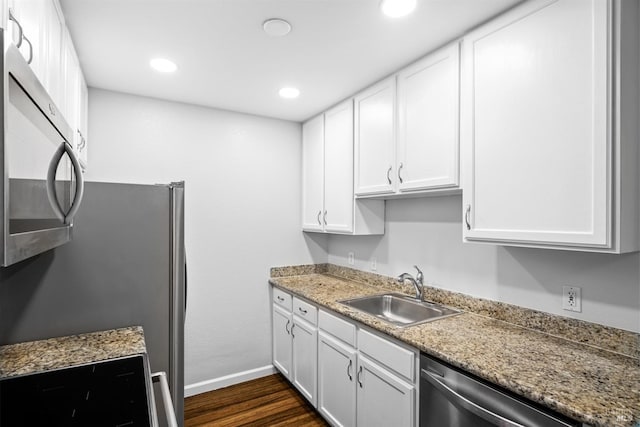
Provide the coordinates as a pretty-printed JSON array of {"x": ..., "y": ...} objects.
[
  {"x": 397, "y": 8},
  {"x": 276, "y": 27},
  {"x": 289, "y": 92},
  {"x": 163, "y": 65}
]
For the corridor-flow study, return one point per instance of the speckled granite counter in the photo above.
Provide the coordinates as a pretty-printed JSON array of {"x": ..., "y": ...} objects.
[
  {"x": 63, "y": 352},
  {"x": 596, "y": 381}
]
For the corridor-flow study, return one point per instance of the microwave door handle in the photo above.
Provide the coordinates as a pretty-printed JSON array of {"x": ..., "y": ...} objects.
[
  {"x": 77, "y": 170},
  {"x": 462, "y": 402},
  {"x": 51, "y": 183}
]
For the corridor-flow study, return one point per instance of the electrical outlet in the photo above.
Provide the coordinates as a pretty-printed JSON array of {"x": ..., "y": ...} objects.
[
  {"x": 351, "y": 258},
  {"x": 571, "y": 298},
  {"x": 374, "y": 264}
]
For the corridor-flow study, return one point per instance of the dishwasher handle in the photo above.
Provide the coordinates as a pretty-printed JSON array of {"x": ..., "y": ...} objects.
[
  {"x": 161, "y": 377},
  {"x": 466, "y": 404}
]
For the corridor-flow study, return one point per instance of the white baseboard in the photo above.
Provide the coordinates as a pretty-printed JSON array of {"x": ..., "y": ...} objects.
[{"x": 227, "y": 380}]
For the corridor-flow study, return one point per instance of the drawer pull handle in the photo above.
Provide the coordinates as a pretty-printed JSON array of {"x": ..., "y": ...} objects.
[
  {"x": 20, "y": 31},
  {"x": 30, "y": 50},
  {"x": 466, "y": 217},
  {"x": 319, "y": 215},
  {"x": 358, "y": 377},
  {"x": 349, "y": 370},
  {"x": 400, "y": 169},
  {"x": 286, "y": 327},
  {"x": 302, "y": 310},
  {"x": 292, "y": 326},
  {"x": 280, "y": 298},
  {"x": 388, "y": 172}
]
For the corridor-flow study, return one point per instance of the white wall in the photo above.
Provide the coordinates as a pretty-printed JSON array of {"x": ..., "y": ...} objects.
[
  {"x": 243, "y": 215},
  {"x": 428, "y": 232}
]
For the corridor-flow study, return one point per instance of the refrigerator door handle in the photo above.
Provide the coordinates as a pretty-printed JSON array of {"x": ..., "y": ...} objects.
[
  {"x": 185, "y": 287},
  {"x": 161, "y": 377}
]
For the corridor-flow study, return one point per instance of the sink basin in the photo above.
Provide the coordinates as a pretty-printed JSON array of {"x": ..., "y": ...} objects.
[{"x": 399, "y": 309}]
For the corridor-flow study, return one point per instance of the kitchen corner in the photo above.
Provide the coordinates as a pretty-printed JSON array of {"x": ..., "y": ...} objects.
[{"x": 585, "y": 371}]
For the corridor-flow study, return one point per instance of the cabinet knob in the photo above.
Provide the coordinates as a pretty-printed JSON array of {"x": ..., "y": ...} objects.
[{"x": 388, "y": 174}]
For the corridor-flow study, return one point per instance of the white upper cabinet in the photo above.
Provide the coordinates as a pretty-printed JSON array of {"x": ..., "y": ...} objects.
[
  {"x": 338, "y": 169},
  {"x": 75, "y": 91},
  {"x": 544, "y": 155},
  {"x": 375, "y": 139},
  {"x": 408, "y": 142},
  {"x": 53, "y": 54},
  {"x": 28, "y": 32},
  {"x": 313, "y": 174},
  {"x": 328, "y": 202},
  {"x": 38, "y": 28},
  {"x": 428, "y": 122}
]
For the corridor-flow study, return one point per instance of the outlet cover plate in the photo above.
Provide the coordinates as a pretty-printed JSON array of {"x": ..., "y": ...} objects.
[{"x": 572, "y": 298}]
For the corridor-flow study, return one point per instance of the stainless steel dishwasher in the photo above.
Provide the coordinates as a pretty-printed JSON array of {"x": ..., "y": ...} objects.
[{"x": 451, "y": 398}]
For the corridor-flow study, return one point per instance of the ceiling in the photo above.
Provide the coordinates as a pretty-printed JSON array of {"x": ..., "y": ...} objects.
[{"x": 225, "y": 60}]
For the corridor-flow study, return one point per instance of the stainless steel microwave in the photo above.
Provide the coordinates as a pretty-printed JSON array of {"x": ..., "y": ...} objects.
[{"x": 42, "y": 178}]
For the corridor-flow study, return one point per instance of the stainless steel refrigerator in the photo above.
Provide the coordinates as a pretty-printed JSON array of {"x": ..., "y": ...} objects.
[{"x": 124, "y": 266}]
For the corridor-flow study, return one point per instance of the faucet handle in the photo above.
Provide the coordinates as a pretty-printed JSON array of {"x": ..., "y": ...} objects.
[{"x": 419, "y": 276}]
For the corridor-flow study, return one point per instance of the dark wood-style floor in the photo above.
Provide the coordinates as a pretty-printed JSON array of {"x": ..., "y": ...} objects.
[{"x": 268, "y": 401}]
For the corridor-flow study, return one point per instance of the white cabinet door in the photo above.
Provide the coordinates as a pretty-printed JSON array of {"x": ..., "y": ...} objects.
[
  {"x": 31, "y": 16},
  {"x": 83, "y": 120},
  {"x": 282, "y": 346},
  {"x": 535, "y": 113},
  {"x": 383, "y": 398},
  {"x": 338, "y": 169},
  {"x": 336, "y": 381},
  {"x": 313, "y": 174},
  {"x": 52, "y": 42},
  {"x": 375, "y": 172},
  {"x": 305, "y": 358},
  {"x": 428, "y": 93}
]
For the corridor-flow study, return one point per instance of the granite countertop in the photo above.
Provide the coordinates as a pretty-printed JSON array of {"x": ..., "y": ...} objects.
[
  {"x": 596, "y": 381},
  {"x": 64, "y": 352}
]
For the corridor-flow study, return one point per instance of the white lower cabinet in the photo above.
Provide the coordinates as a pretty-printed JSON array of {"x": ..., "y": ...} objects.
[
  {"x": 282, "y": 344},
  {"x": 354, "y": 388},
  {"x": 337, "y": 367},
  {"x": 305, "y": 358},
  {"x": 355, "y": 377},
  {"x": 384, "y": 399},
  {"x": 295, "y": 342}
]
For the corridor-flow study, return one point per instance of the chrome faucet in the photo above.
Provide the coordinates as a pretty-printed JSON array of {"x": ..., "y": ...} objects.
[{"x": 417, "y": 282}]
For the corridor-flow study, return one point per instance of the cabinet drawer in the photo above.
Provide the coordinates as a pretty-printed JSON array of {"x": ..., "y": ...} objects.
[
  {"x": 282, "y": 298},
  {"x": 389, "y": 354},
  {"x": 337, "y": 327},
  {"x": 305, "y": 310}
]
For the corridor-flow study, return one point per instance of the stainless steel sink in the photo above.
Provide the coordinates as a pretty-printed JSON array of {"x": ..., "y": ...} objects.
[{"x": 400, "y": 309}]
